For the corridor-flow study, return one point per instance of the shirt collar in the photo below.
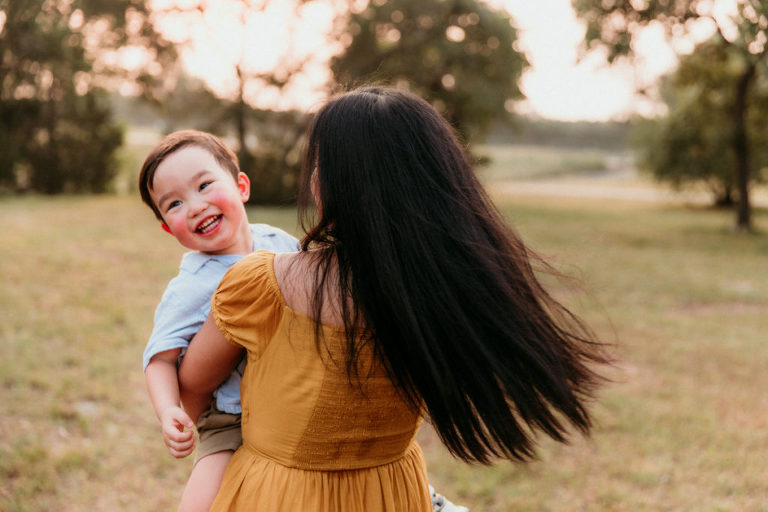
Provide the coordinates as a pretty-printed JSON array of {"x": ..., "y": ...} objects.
[{"x": 194, "y": 261}]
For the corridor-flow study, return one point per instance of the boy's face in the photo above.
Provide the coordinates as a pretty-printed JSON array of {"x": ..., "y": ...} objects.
[{"x": 200, "y": 202}]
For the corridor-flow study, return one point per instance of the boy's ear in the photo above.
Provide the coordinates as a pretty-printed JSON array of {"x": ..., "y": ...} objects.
[
  {"x": 244, "y": 186},
  {"x": 166, "y": 228}
]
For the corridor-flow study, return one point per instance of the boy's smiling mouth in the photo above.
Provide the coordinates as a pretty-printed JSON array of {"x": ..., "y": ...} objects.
[{"x": 209, "y": 224}]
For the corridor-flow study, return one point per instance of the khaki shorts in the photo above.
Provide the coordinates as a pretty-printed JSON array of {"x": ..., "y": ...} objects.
[{"x": 218, "y": 431}]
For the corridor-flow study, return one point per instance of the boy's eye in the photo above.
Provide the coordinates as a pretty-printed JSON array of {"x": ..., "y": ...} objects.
[
  {"x": 205, "y": 184},
  {"x": 173, "y": 204}
]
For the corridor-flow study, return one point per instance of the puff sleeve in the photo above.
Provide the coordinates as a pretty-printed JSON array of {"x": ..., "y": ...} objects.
[{"x": 247, "y": 305}]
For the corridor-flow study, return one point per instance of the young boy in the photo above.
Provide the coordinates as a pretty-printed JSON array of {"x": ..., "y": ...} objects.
[{"x": 192, "y": 182}]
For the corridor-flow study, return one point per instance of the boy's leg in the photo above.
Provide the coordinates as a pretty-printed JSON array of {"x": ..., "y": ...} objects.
[
  {"x": 204, "y": 482},
  {"x": 220, "y": 435}
]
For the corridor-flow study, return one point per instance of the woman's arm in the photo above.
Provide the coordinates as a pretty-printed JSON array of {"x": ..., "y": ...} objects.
[{"x": 209, "y": 360}]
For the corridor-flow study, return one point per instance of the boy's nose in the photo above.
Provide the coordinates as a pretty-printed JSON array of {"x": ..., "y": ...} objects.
[{"x": 196, "y": 207}]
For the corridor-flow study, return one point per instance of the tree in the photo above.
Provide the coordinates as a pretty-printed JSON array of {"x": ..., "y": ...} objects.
[
  {"x": 56, "y": 130},
  {"x": 267, "y": 141},
  {"x": 615, "y": 24},
  {"x": 459, "y": 54},
  {"x": 274, "y": 161},
  {"x": 689, "y": 144}
]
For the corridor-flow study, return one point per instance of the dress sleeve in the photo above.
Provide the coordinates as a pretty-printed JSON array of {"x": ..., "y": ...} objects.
[{"x": 247, "y": 305}]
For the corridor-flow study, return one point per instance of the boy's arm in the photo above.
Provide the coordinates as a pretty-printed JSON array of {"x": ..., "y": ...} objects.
[
  {"x": 209, "y": 360},
  {"x": 163, "y": 385}
]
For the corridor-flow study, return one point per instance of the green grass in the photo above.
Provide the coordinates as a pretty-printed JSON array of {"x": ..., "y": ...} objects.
[{"x": 683, "y": 426}]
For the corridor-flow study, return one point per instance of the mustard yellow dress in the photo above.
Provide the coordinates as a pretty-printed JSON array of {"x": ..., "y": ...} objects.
[{"x": 311, "y": 442}]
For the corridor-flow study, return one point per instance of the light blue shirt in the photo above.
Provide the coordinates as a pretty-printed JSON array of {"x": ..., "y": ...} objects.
[{"x": 186, "y": 303}]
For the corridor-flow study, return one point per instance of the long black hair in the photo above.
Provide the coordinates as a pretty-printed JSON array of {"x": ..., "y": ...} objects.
[{"x": 432, "y": 276}]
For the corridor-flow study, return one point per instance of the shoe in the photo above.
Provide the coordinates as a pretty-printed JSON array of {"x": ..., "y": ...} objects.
[{"x": 441, "y": 504}]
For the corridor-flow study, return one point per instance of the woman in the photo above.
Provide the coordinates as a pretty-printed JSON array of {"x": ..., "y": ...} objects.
[{"x": 410, "y": 298}]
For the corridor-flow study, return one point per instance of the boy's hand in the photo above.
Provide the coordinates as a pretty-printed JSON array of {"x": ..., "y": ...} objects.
[{"x": 174, "y": 421}]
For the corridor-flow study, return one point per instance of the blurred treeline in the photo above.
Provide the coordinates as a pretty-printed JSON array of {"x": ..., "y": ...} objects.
[
  {"x": 615, "y": 136},
  {"x": 64, "y": 67},
  {"x": 66, "y": 63}
]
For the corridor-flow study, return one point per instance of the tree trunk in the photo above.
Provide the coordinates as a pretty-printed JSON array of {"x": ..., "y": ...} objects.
[
  {"x": 241, "y": 109},
  {"x": 47, "y": 176},
  {"x": 724, "y": 197},
  {"x": 240, "y": 112},
  {"x": 741, "y": 148}
]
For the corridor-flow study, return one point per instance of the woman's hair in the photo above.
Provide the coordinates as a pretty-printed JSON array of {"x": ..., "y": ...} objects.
[{"x": 432, "y": 276}]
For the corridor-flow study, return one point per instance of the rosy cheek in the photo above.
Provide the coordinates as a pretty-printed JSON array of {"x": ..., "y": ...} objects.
[
  {"x": 218, "y": 197},
  {"x": 176, "y": 222},
  {"x": 223, "y": 199}
]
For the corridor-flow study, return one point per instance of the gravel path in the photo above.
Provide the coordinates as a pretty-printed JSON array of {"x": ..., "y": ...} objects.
[{"x": 621, "y": 184}]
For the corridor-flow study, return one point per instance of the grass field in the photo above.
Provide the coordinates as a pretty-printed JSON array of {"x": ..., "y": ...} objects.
[{"x": 682, "y": 427}]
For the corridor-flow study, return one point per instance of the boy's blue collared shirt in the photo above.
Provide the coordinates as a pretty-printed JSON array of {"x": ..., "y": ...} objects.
[{"x": 186, "y": 303}]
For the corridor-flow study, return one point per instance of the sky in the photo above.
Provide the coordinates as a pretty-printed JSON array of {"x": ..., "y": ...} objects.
[{"x": 558, "y": 84}]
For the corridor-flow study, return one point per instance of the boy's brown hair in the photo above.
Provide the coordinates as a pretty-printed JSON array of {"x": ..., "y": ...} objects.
[{"x": 173, "y": 142}]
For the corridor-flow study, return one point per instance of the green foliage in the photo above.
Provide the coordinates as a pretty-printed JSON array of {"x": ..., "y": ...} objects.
[
  {"x": 275, "y": 165},
  {"x": 271, "y": 156},
  {"x": 266, "y": 142},
  {"x": 80, "y": 154},
  {"x": 459, "y": 54},
  {"x": 56, "y": 126},
  {"x": 613, "y": 23},
  {"x": 739, "y": 45},
  {"x": 693, "y": 143}
]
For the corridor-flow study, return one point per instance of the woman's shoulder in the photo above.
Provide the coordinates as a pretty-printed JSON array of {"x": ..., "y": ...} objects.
[
  {"x": 247, "y": 305},
  {"x": 258, "y": 258},
  {"x": 251, "y": 279},
  {"x": 296, "y": 277},
  {"x": 256, "y": 264}
]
